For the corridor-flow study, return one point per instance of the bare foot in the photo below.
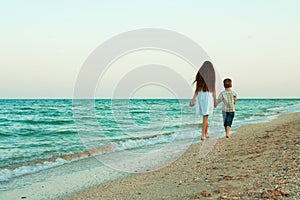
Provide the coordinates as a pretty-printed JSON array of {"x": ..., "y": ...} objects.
[
  {"x": 202, "y": 138},
  {"x": 227, "y": 136},
  {"x": 207, "y": 135}
]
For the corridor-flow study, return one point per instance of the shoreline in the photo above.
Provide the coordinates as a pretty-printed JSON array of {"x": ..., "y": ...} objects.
[{"x": 249, "y": 165}]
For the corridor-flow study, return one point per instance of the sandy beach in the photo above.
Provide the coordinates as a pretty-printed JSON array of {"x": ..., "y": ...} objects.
[{"x": 258, "y": 162}]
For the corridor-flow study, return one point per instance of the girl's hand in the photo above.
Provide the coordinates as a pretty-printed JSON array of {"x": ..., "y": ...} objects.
[{"x": 192, "y": 103}]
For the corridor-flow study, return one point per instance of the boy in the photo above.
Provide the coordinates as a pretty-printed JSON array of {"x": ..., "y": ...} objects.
[{"x": 228, "y": 97}]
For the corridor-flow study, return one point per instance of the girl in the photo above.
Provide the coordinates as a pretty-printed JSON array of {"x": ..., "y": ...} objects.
[{"x": 205, "y": 93}]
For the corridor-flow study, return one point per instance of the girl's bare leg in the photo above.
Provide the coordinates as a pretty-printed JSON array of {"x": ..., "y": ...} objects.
[
  {"x": 206, "y": 132},
  {"x": 204, "y": 126}
]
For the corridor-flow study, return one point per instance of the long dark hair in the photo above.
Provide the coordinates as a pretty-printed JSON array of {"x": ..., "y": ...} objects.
[{"x": 206, "y": 78}]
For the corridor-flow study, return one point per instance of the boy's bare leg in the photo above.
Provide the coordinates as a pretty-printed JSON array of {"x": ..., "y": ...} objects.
[
  {"x": 227, "y": 129},
  {"x": 204, "y": 126}
]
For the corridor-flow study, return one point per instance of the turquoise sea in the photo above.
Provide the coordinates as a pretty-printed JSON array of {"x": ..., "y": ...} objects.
[{"x": 39, "y": 135}]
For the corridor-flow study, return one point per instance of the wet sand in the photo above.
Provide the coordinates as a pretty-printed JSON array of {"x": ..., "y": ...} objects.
[{"x": 259, "y": 162}]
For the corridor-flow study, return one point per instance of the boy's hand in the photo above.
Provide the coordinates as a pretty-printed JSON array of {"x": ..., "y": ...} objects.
[{"x": 192, "y": 103}]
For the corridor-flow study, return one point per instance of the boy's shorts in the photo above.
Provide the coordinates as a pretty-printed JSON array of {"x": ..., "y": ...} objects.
[{"x": 228, "y": 118}]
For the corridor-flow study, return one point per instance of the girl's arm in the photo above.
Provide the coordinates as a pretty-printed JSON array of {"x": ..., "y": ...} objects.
[
  {"x": 218, "y": 101},
  {"x": 192, "y": 103},
  {"x": 215, "y": 97}
]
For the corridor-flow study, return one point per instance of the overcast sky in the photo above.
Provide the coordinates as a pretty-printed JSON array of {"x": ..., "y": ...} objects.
[{"x": 43, "y": 44}]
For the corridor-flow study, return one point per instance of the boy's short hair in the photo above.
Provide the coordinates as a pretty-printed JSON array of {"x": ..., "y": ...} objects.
[{"x": 227, "y": 83}]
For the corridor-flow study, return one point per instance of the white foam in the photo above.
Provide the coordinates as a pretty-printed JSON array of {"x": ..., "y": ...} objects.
[
  {"x": 6, "y": 174},
  {"x": 160, "y": 139}
]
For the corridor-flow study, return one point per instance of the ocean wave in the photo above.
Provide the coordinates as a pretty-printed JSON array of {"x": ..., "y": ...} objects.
[
  {"x": 139, "y": 112},
  {"x": 5, "y": 134},
  {"x": 137, "y": 143},
  {"x": 7, "y": 174},
  {"x": 65, "y": 132},
  {"x": 151, "y": 140},
  {"x": 4, "y": 120},
  {"x": 46, "y": 122}
]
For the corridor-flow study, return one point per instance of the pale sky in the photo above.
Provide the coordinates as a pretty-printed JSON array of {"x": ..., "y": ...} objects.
[{"x": 43, "y": 44}]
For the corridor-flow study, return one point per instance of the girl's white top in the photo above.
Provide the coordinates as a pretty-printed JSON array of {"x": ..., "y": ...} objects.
[{"x": 204, "y": 103}]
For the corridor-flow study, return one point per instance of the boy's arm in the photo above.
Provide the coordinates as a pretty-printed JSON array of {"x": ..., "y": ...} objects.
[
  {"x": 192, "y": 103},
  {"x": 234, "y": 98}
]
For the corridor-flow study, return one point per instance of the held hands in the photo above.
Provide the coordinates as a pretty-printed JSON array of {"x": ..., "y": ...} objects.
[{"x": 215, "y": 104}]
